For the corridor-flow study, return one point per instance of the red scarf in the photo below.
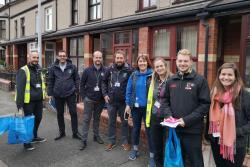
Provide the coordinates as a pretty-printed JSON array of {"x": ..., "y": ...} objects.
[{"x": 222, "y": 121}]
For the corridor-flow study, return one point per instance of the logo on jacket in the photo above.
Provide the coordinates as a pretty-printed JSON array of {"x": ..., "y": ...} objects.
[
  {"x": 69, "y": 71},
  {"x": 189, "y": 86},
  {"x": 124, "y": 75},
  {"x": 173, "y": 85},
  {"x": 102, "y": 74}
]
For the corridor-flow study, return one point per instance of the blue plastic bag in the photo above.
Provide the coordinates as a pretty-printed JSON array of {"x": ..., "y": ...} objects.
[
  {"x": 21, "y": 130},
  {"x": 173, "y": 156},
  {"x": 4, "y": 124}
]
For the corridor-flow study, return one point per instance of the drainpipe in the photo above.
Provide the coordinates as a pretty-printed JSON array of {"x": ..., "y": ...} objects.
[
  {"x": 203, "y": 16},
  {"x": 56, "y": 15}
]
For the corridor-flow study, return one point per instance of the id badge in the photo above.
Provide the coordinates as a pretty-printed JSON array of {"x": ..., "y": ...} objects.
[
  {"x": 117, "y": 84},
  {"x": 136, "y": 105},
  {"x": 157, "y": 104},
  {"x": 38, "y": 85},
  {"x": 96, "y": 89}
]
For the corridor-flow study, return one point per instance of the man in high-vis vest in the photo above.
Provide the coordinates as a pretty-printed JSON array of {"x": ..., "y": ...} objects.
[{"x": 30, "y": 92}]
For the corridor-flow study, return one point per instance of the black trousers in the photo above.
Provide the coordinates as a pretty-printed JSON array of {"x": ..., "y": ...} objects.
[
  {"x": 158, "y": 135},
  {"x": 71, "y": 102},
  {"x": 220, "y": 162},
  {"x": 191, "y": 147},
  {"x": 34, "y": 108}
]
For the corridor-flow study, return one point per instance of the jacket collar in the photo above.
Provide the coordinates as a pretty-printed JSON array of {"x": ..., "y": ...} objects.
[{"x": 189, "y": 75}]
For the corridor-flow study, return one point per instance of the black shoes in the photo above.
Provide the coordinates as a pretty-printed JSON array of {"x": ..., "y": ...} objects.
[
  {"x": 60, "y": 136},
  {"x": 77, "y": 136},
  {"x": 38, "y": 140},
  {"x": 98, "y": 139},
  {"x": 83, "y": 146},
  {"x": 28, "y": 147}
]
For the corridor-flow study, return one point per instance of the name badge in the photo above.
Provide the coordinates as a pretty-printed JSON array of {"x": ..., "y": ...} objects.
[
  {"x": 96, "y": 89},
  {"x": 136, "y": 105},
  {"x": 117, "y": 84},
  {"x": 38, "y": 85},
  {"x": 157, "y": 104}
]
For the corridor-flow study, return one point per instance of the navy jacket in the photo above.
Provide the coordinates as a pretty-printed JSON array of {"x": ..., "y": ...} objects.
[
  {"x": 91, "y": 78},
  {"x": 63, "y": 84},
  {"x": 36, "y": 94},
  {"x": 188, "y": 97},
  {"x": 112, "y": 76}
]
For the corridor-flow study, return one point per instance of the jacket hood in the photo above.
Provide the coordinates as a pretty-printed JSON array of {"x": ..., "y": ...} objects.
[
  {"x": 69, "y": 62},
  {"x": 148, "y": 72}
]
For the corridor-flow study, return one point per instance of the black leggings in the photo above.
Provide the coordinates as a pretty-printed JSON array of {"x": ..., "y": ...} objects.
[{"x": 220, "y": 162}]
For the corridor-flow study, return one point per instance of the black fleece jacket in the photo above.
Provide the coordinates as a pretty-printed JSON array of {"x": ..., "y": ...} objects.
[{"x": 188, "y": 97}]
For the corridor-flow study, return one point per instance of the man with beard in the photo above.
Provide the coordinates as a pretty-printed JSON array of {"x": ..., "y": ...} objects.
[
  {"x": 30, "y": 92},
  {"x": 114, "y": 90},
  {"x": 92, "y": 97},
  {"x": 63, "y": 85}
]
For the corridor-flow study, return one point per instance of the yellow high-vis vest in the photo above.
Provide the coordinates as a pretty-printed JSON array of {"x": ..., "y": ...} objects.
[{"x": 27, "y": 86}]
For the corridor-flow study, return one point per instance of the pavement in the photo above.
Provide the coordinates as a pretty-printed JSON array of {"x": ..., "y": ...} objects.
[{"x": 62, "y": 153}]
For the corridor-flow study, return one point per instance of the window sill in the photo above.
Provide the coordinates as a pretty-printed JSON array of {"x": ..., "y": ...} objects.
[
  {"x": 176, "y": 2},
  {"x": 146, "y": 9},
  {"x": 72, "y": 25},
  {"x": 92, "y": 21}
]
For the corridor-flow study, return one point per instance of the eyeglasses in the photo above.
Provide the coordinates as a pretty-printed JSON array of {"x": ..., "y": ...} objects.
[{"x": 62, "y": 56}]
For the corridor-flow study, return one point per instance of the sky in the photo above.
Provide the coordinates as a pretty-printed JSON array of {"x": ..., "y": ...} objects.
[{"x": 1, "y": 1}]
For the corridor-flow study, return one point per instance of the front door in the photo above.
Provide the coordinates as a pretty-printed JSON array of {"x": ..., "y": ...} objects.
[{"x": 22, "y": 55}]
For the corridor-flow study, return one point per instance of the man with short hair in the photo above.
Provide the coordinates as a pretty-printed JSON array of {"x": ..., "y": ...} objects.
[
  {"x": 114, "y": 90},
  {"x": 187, "y": 98},
  {"x": 92, "y": 98},
  {"x": 63, "y": 85},
  {"x": 30, "y": 93}
]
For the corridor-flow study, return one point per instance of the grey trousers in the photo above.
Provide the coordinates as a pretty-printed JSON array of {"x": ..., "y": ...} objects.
[
  {"x": 91, "y": 108},
  {"x": 113, "y": 110}
]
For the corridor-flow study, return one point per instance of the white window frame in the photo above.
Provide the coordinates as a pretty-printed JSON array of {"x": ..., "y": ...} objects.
[{"x": 48, "y": 19}]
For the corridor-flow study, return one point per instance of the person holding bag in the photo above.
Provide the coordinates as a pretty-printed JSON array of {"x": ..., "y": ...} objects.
[
  {"x": 155, "y": 112},
  {"x": 229, "y": 117},
  {"x": 30, "y": 93},
  {"x": 136, "y": 102}
]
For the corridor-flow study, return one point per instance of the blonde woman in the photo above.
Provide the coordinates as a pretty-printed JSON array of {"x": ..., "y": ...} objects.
[{"x": 155, "y": 111}]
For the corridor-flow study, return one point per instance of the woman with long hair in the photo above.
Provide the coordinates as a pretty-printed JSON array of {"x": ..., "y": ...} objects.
[
  {"x": 155, "y": 108},
  {"x": 136, "y": 102},
  {"x": 229, "y": 117}
]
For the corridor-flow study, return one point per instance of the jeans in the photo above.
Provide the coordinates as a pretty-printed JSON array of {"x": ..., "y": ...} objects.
[
  {"x": 137, "y": 115},
  {"x": 113, "y": 110},
  {"x": 91, "y": 108}
]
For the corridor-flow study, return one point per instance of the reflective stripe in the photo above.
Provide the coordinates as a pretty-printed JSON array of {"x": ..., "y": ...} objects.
[{"x": 27, "y": 85}]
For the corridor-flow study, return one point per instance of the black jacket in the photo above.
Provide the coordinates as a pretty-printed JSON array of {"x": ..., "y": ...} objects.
[
  {"x": 92, "y": 77},
  {"x": 242, "y": 119},
  {"x": 113, "y": 75},
  {"x": 36, "y": 94},
  {"x": 188, "y": 97},
  {"x": 63, "y": 84}
]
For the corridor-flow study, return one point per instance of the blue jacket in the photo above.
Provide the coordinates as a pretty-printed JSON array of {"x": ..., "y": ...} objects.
[
  {"x": 63, "y": 84},
  {"x": 137, "y": 88}
]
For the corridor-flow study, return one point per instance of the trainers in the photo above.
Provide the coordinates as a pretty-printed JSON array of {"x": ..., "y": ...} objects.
[
  {"x": 126, "y": 147},
  {"x": 28, "y": 147},
  {"x": 151, "y": 162},
  {"x": 38, "y": 140},
  {"x": 109, "y": 147},
  {"x": 133, "y": 155}
]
